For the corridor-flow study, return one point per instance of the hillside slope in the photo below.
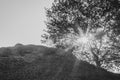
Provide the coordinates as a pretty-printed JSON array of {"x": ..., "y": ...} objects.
[{"x": 30, "y": 62}]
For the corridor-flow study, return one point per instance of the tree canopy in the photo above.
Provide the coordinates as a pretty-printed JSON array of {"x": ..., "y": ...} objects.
[{"x": 90, "y": 26}]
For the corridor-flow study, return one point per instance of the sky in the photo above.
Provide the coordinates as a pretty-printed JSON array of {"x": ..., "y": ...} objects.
[{"x": 22, "y": 21}]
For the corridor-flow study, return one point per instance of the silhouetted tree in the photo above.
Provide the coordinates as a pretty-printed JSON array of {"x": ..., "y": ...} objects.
[{"x": 66, "y": 17}]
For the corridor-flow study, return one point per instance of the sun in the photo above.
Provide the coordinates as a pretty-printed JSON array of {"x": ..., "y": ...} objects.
[{"x": 83, "y": 40}]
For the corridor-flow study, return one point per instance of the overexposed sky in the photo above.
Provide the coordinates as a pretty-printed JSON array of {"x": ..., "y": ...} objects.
[{"x": 22, "y": 21}]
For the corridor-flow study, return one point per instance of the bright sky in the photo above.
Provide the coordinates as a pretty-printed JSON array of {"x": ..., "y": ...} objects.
[{"x": 22, "y": 21}]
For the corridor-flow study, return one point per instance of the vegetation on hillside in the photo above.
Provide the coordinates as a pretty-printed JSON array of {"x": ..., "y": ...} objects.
[{"x": 44, "y": 63}]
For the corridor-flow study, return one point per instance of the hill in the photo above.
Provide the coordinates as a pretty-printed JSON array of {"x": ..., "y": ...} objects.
[{"x": 32, "y": 62}]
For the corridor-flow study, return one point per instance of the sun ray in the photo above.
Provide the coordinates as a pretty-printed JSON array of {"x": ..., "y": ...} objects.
[{"x": 84, "y": 41}]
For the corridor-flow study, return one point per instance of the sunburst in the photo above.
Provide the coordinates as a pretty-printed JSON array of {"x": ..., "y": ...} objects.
[{"x": 85, "y": 41}]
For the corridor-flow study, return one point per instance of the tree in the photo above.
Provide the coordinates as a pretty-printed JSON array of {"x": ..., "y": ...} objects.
[{"x": 91, "y": 26}]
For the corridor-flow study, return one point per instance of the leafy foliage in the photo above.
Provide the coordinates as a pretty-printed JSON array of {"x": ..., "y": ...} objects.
[
  {"x": 66, "y": 17},
  {"x": 64, "y": 14}
]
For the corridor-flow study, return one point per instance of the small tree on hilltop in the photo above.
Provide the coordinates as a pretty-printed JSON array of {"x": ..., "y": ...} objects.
[{"x": 90, "y": 26}]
